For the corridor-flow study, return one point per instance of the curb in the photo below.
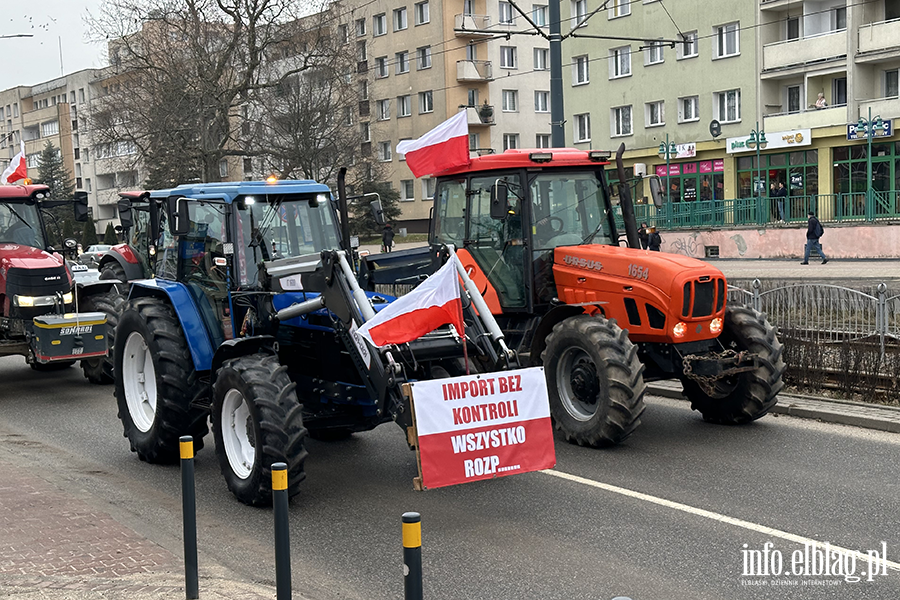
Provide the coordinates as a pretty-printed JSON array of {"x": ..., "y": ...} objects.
[{"x": 842, "y": 412}]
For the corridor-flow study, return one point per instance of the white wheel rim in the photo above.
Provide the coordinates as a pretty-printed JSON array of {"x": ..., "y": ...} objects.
[
  {"x": 139, "y": 379},
  {"x": 237, "y": 426}
]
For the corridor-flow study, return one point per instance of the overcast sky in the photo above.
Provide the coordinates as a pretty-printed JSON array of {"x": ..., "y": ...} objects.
[{"x": 27, "y": 61}]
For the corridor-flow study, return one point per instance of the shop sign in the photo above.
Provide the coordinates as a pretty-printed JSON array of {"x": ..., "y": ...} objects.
[
  {"x": 776, "y": 139},
  {"x": 686, "y": 150},
  {"x": 854, "y": 134}
]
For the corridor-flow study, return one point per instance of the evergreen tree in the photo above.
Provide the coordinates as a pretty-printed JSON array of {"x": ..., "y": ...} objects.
[
  {"x": 89, "y": 237},
  {"x": 361, "y": 220},
  {"x": 110, "y": 236},
  {"x": 52, "y": 173},
  {"x": 68, "y": 229}
]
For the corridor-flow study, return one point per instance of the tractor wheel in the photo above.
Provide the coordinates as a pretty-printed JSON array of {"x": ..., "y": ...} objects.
[
  {"x": 746, "y": 396},
  {"x": 57, "y": 365},
  {"x": 100, "y": 370},
  {"x": 156, "y": 382},
  {"x": 257, "y": 421},
  {"x": 113, "y": 270},
  {"x": 595, "y": 381}
]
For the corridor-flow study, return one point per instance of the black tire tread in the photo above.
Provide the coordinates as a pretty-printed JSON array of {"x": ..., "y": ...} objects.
[
  {"x": 113, "y": 270},
  {"x": 111, "y": 303}
]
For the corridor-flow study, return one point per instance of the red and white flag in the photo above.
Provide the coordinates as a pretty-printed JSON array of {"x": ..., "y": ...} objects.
[
  {"x": 444, "y": 147},
  {"x": 17, "y": 169},
  {"x": 434, "y": 303}
]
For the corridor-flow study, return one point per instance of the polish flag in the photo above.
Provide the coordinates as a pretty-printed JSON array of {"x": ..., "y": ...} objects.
[
  {"x": 433, "y": 303},
  {"x": 444, "y": 147},
  {"x": 17, "y": 169}
]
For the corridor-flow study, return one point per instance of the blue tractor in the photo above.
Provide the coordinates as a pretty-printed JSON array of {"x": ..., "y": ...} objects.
[{"x": 249, "y": 324}]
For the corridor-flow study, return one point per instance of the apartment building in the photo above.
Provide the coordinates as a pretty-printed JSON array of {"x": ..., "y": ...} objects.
[
  {"x": 748, "y": 67},
  {"x": 419, "y": 63}
]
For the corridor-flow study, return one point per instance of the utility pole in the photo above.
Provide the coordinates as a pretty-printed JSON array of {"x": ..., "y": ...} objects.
[{"x": 557, "y": 113}]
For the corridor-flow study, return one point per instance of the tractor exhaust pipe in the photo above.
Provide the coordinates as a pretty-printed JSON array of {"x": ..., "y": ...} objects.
[
  {"x": 631, "y": 231},
  {"x": 342, "y": 207}
]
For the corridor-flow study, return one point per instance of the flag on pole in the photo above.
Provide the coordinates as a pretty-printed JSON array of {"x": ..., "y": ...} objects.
[
  {"x": 444, "y": 147},
  {"x": 17, "y": 169},
  {"x": 434, "y": 303}
]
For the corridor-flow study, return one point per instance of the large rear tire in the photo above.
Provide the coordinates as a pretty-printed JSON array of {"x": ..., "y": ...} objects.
[
  {"x": 111, "y": 303},
  {"x": 156, "y": 382},
  {"x": 747, "y": 396},
  {"x": 257, "y": 421},
  {"x": 595, "y": 381},
  {"x": 113, "y": 270}
]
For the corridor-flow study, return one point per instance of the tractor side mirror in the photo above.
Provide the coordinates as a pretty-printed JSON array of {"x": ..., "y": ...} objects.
[
  {"x": 82, "y": 213},
  {"x": 656, "y": 191},
  {"x": 500, "y": 200},
  {"x": 179, "y": 218},
  {"x": 377, "y": 211},
  {"x": 126, "y": 219}
]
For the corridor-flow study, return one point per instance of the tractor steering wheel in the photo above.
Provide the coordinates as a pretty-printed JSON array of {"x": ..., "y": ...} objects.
[{"x": 556, "y": 230}]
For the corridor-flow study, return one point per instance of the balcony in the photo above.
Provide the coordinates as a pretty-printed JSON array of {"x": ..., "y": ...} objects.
[
  {"x": 776, "y": 4},
  {"x": 474, "y": 70},
  {"x": 107, "y": 196},
  {"x": 886, "y": 108},
  {"x": 878, "y": 41},
  {"x": 472, "y": 26},
  {"x": 807, "y": 119},
  {"x": 479, "y": 116},
  {"x": 815, "y": 49}
]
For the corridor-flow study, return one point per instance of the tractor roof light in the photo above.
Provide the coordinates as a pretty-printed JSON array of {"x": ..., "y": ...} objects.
[
  {"x": 679, "y": 330},
  {"x": 599, "y": 155},
  {"x": 715, "y": 326},
  {"x": 271, "y": 179},
  {"x": 541, "y": 157}
]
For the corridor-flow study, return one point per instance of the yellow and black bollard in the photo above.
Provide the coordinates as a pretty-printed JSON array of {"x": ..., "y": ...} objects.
[
  {"x": 412, "y": 555},
  {"x": 189, "y": 516},
  {"x": 282, "y": 535}
]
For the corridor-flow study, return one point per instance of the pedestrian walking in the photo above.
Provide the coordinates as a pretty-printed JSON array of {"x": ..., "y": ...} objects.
[
  {"x": 654, "y": 241},
  {"x": 814, "y": 231},
  {"x": 644, "y": 235},
  {"x": 387, "y": 238}
]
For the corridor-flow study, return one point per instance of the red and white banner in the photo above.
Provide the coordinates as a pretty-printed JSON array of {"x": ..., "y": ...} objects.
[
  {"x": 483, "y": 426},
  {"x": 433, "y": 303},
  {"x": 17, "y": 169},
  {"x": 444, "y": 147}
]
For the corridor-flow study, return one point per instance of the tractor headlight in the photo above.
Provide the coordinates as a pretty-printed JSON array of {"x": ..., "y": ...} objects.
[
  {"x": 67, "y": 298},
  {"x": 27, "y": 301},
  {"x": 152, "y": 250},
  {"x": 715, "y": 326},
  {"x": 679, "y": 330}
]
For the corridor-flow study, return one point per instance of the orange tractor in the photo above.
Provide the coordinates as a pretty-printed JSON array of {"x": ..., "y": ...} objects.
[{"x": 536, "y": 231}]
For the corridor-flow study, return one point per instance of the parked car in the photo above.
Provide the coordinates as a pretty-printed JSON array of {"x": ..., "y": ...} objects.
[{"x": 91, "y": 256}]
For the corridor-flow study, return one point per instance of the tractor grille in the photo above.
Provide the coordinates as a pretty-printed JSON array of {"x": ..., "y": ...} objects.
[
  {"x": 704, "y": 294},
  {"x": 701, "y": 298}
]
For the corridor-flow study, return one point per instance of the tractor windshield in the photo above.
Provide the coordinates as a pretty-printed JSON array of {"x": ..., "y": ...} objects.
[
  {"x": 568, "y": 207},
  {"x": 279, "y": 226},
  {"x": 20, "y": 224}
]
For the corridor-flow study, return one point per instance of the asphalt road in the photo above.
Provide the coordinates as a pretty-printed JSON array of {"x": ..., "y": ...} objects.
[{"x": 663, "y": 516}]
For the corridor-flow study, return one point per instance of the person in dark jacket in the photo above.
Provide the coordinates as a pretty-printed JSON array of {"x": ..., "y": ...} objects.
[
  {"x": 644, "y": 235},
  {"x": 780, "y": 195},
  {"x": 654, "y": 241},
  {"x": 814, "y": 231},
  {"x": 387, "y": 238}
]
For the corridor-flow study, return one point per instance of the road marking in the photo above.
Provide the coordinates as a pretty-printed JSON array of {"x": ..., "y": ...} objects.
[{"x": 715, "y": 516}]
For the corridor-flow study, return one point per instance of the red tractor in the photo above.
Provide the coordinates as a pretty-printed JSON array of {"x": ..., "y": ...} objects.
[
  {"x": 537, "y": 232},
  {"x": 39, "y": 302}
]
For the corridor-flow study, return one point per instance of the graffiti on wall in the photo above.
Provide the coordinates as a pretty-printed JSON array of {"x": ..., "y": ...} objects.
[{"x": 686, "y": 245}]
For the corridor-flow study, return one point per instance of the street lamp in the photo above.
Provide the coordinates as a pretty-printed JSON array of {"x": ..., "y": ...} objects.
[
  {"x": 667, "y": 150},
  {"x": 758, "y": 141},
  {"x": 870, "y": 127}
]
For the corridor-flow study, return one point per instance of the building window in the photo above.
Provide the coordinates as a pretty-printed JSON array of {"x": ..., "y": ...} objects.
[
  {"x": 422, "y": 15},
  {"x": 580, "y": 70},
  {"x": 384, "y": 151},
  {"x": 48, "y": 129},
  {"x": 654, "y": 113},
  {"x": 507, "y": 16},
  {"x": 510, "y": 141},
  {"x": 401, "y": 62},
  {"x": 510, "y": 101},
  {"x": 583, "y": 128},
  {"x": 688, "y": 48},
  {"x": 793, "y": 28},
  {"x": 619, "y": 8},
  {"x": 653, "y": 55},
  {"x": 426, "y": 102},
  {"x": 87, "y": 184},
  {"x": 579, "y": 13},
  {"x": 539, "y": 15},
  {"x": 793, "y": 98},
  {"x": 381, "y": 67},
  {"x": 248, "y": 165},
  {"x": 384, "y": 110},
  {"x": 379, "y": 25},
  {"x": 81, "y": 95},
  {"x": 428, "y": 189},
  {"x": 364, "y": 132},
  {"x": 726, "y": 40},
  {"x": 542, "y": 140},
  {"x": 688, "y": 109},
  {"x": 360, "y": 27},
  {"x": 620, "y": 62},
  {"x": 363, "y": 90},
  {"x": 404, "y": 108},
  {"x": 361, "y": 53},
  {"x": 728, "y": 106},
  {"x": 407, "y": 190},
  {"x": 344, "y": 32},
  {"x": 839, "y": 91},
  {"x": 890, "y": 83},
  {"x": 473, "y": 142},
  {"x": 423, "y": 57},
  {"x": 541, "y": 59},
  {"x": 471, "y": 51},
  {"x": 400, "y": 19},
  {"x": 348, "y": 115},
  {"x": 508, "y": 57},
  {"x": 840, "y": 17},
  {"x": 621, "y": 121},
  {"x": 542, "y": 102},
  {"x": 223, "y": 169}
]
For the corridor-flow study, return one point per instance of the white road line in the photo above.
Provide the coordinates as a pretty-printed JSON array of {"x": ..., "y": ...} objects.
[{"x": 715, "y": 516}]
